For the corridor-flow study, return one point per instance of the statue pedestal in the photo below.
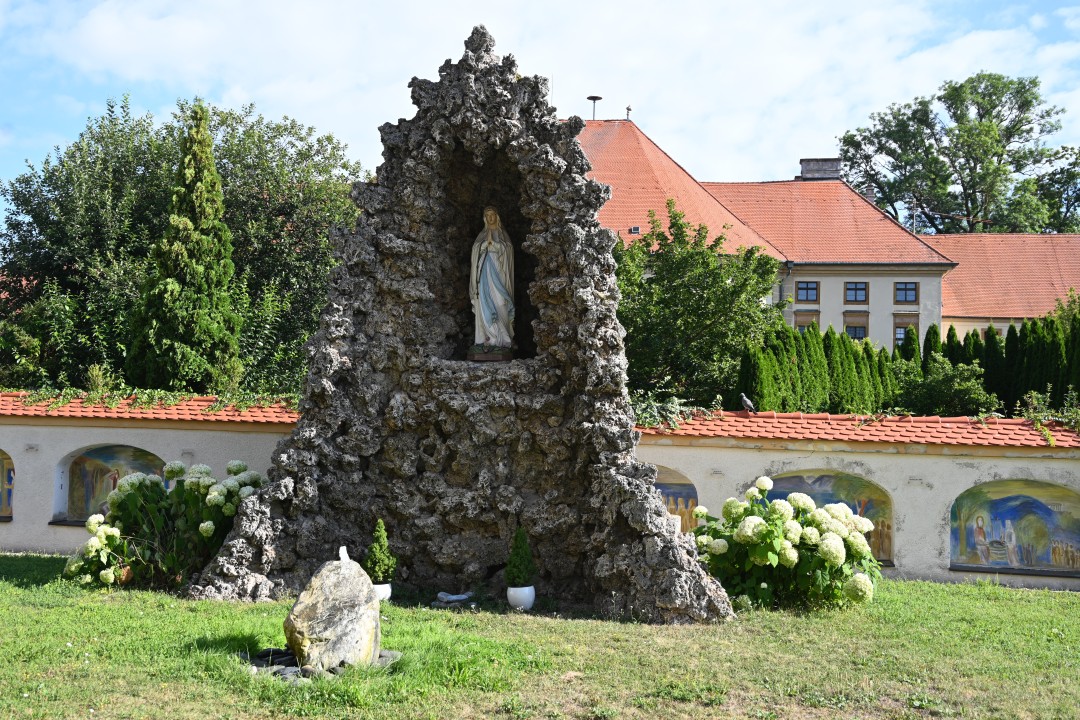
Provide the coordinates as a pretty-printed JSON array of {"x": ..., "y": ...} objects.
[{"x": 493, "y": 355}]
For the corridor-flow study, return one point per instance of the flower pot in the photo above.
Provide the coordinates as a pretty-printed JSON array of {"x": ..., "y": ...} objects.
[
  {"x": 521, "y": 598},
  {"x": 382, "y": 591}
]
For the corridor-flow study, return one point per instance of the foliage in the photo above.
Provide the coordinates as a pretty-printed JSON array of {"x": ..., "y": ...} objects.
[
  {"x": 80, "y": 227},
  {"x": 184, "y": 335},
  {"x": 651, "y": 410},
  {"x": 788, "y": 553},
  {"x": 1037, "y": 408},
  {"x": 945, "y": 389},
  {"x": 379, "y": 563},
  {"x": 971, "y": 158},
  {"x": 520, "y": 568},
  {"x": 689, "y": 309},
  {"x": 153, "y": 537}
]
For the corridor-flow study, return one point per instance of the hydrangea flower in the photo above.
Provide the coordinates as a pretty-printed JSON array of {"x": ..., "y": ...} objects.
[
  {"x": 74, "y": 565},
  {"x": 840, "y": 511},
  {"x": 750, "y": 530},
  {"x": 764, "y": 586},
  {"x": 206, "y": 529},
  {"x": 802, "y": 502},
  {"x": 719, "y": 546},
  {"x": 793, "y": 531},
  {"x": 106, "y": 576},
  {"x": 764, "y": 483},
  {"x": 782, "y": 508},
  {"x": 230, "y": 484},
  {"x": 228, "y": 510},
  {"x": 93, "y": 523},
  {"x": 215, "y": 499},
  {"x": 789, "y": 556},
  {"x": 819, "y": 518},
  {"x": 702, "y": 541},
  {"x": 235, "y": 467},
  {"x": 200, "y": 470},
  {"x": 862, "y": 524},
  {"x": 92, "y": 546},
  {"x": 174, "y": 470},
  {"x": 752, "y": 493},
  {"x": 831, "y": 549},
  {"x": 857, "y": 544},
  {"x": 246, "y": 491},
  {"x": 859, "y": 588},
  {"x": 86, "y": 579},
  {"x": 810, "y": 536},
  {"x": 154, "y": 480},
  {"x": 114, "y": 498},
  {"x": 734, "y": 509}
]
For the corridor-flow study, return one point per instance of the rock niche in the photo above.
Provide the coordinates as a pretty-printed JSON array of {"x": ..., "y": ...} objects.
[{"x": 455, "y": 454}]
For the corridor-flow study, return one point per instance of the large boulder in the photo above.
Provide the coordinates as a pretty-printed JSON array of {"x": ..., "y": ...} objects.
[{"x": 335, "y": 621}]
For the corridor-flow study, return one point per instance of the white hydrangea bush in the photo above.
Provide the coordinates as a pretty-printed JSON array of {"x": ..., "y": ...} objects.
[
  {"x": 152, "y": 537},
  {"x": 788, "y": 552}
]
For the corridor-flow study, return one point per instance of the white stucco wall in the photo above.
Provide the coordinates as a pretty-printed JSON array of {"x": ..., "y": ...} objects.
[
  {"x": 41, "y": 450},
  {"x": 923, "y": 481}
]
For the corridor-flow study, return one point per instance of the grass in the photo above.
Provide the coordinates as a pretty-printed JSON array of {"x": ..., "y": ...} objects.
[{"x": 920, "y": 650}]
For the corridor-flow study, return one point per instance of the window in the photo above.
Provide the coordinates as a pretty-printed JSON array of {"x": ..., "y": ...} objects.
[
  {"x": 902, "y": 324},
  {"x": 906, "y": 293},
  {"x": 806, "y": 291},
  {"x": 856, "y": 324},
  {"x": 803, "y": 320},
  {"x": 856, "y": 292}
]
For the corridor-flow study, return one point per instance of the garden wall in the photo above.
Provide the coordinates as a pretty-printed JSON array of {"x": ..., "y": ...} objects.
[{"x": 955, "y": 498}]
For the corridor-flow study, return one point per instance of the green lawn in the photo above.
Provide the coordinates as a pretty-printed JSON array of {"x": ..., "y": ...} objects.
[{"x": 920, "y": 650}]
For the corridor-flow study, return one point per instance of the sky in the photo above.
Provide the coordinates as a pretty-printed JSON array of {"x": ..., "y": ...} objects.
[{"x": 732, "y": 90}]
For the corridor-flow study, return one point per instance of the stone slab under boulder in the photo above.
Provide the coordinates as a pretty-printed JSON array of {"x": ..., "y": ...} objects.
[
  {"x": 335, "y": 620},
  {"x": 454, "y": 455}
]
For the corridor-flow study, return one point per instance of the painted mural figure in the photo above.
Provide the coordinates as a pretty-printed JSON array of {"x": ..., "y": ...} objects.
[
  {"x": 9, "y": 486},
  {"x": 981, "y": 543},
  {"x": 1010, "y": 544},
  {"x": 491, "y": 284}
]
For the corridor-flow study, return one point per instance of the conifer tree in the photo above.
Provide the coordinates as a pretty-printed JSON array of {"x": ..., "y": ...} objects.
[
  {"x": 1013, "y": 366},
  {"x": 888, "y": 379},
  {"x": 993, "y": 361},
  {"x": 1072, "y": 368},
  {"x": 1055, "y": 362},
  {"x": 818, "y": 393},
  {"x": 954, "y": 348},
  {"x": 909, "y": 348},
  {"x": 973, "y": 347},
  {"x": 875, "y": 375},
  {"x": 186, "y": 329},
  {"x": 931, "y": 344}
]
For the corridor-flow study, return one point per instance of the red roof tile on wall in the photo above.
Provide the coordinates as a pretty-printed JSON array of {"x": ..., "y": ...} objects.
[
  {"x": 14, "y": 405},
  {"x": 823, "y": 221},
  {"x": 1007, "y": 275},
  {"x": 849, "y": 428},
  {"x": 642, "y": 178}
]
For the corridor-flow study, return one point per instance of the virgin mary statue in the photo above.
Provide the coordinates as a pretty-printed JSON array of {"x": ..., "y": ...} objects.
[{"x": 491, "y": 284}]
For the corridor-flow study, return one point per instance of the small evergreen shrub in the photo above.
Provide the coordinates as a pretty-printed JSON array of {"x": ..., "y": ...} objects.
[
  {"x": 520, "y": 569},
  {"x": 152, "y": 537},
  {"x": 379, "y": 563},
  {"x": 788, "y": 553}
]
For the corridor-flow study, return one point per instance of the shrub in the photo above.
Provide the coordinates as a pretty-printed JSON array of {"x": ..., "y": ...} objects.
[
  {"x": 379, "y": 563},
  {"x": 520, "y": 569},
  {"x": 788, "y": 552},
  {"x": 155, "y": 538}
]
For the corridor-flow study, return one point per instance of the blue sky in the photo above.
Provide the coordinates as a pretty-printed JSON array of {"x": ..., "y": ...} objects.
[{"x": 732, "y": 92}]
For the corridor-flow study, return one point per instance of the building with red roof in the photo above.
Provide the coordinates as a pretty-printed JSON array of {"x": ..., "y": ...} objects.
[{"x": 1005, "y": 278}]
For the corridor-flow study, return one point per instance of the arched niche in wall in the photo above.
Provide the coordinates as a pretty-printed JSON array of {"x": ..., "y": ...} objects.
[
  {"x": 861, "y": 495},
  {"x": 1018, "y": 526},
  {"x": 87, "y": 476},
  {"x": 7, "y": 486},
  {"x": 680, "y": 495}
]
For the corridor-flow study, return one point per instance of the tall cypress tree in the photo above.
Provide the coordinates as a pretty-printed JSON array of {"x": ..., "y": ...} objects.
[
  {"x": 888, "y": 379},
  {"x": 995, "y": 378},
  {"x": 1014, "y": 365},
  {"x": 1072, "y": 370},
  {"x": 1055, "y": 360},
  {"x": 931, "y": 344},
  {"x": 818, "y": 386},
  {"x": 909, "y": 348},
  {"x": 973, "y": 347},
  {"x": 186, "y": 327},
  {"x": 876, "y": 387},
  {"x": 954, "y": 348}
]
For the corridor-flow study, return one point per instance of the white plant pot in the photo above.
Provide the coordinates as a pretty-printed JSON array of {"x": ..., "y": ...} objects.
[
  {"x": 521, "y": 598},
  {"x": 382, "y": 591}
]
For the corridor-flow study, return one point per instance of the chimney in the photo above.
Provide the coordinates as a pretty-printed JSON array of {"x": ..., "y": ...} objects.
[{"x": 819, "y": 169}]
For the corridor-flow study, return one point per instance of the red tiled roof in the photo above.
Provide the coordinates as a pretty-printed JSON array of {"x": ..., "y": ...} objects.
[
  {"x": 14, "y": 405},
  {"x": 993, "y": 432},
  {"x": 822, "y": 221},
  {"x": 1007, "y": 276},
  {"x": 642, "y": 178}
]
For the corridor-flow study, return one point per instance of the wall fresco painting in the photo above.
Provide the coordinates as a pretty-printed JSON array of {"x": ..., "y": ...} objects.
[
  {"x": 862, "y": 496},
  {"x": 679, "y": 495},
  {"x": 7, "y": 477},
  {"x": 94, "y": 474},
  {"x": 1023, "y": 525}
]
